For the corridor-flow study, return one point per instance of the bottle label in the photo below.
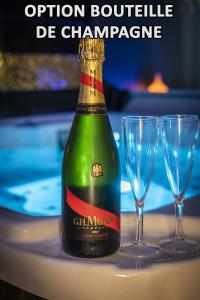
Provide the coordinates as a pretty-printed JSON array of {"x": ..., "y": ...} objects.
[{"x": 88, "y": 221}]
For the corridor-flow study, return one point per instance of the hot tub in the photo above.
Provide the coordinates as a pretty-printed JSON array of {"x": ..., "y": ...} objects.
[{"x": 30, "y": 159}]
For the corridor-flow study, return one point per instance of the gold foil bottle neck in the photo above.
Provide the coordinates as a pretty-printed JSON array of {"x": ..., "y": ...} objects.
[{"x": 91, "y": 49}]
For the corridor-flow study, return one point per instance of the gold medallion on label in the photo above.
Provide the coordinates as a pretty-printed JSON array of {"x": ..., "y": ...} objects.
[{"x": 97, "y": 170}]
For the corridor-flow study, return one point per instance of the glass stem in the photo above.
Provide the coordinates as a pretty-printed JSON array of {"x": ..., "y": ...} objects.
[
  {"x": 179, "y": 220},
  {"x": 139, "y": 233}
]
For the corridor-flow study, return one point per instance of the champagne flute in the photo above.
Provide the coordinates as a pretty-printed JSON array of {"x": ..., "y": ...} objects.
[
  {"x": 179, "y": 136},
  {"x": 140, "y": 138}
]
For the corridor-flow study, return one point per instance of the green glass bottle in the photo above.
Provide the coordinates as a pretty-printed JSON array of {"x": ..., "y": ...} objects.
[{"x": 90, "y": 170}]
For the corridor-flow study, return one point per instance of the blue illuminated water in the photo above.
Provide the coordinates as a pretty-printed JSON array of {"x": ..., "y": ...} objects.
[{"x": 30, "y": 164}]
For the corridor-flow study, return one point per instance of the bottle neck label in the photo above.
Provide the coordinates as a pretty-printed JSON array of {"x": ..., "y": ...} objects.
[
  {"x": 91, "y": 109},
  {"x": 91, "y": 96}
]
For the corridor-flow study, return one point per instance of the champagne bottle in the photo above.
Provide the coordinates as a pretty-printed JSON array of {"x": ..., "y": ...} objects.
[{"x": 90, "y": 170}]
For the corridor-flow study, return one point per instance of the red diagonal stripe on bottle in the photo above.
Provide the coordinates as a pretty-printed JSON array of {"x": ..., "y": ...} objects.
[
  {"x": 92, "y": 82},
  {"x": 87, "y": 210}
]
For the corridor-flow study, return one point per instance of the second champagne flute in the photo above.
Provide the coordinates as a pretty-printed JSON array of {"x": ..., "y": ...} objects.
[
  {"x": 179, "y": 137},
  {"x": 140, "y": 137}
]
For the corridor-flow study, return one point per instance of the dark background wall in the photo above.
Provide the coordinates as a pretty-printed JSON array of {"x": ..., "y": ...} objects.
[{"x": 176, "y": 55}]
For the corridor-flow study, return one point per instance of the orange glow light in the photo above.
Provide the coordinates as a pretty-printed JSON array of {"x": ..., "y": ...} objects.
[{"x": 158, "y": 86}]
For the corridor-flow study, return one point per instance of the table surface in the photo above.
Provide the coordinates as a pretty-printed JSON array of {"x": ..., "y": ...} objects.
[{"x": 34, "y": 248}]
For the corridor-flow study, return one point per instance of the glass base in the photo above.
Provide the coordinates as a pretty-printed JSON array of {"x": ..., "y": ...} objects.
[
  {"x": 141, "y": 250},
  {"x": 179, "y": 246}
]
